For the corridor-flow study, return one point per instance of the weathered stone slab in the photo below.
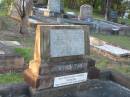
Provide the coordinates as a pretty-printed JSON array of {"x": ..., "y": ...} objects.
[
  {"x": 114, "y": 50},
  {"x": 91, "y": 88},
  {"x": 62, "y": 67},
  {"x": 86, "y": 12},
  {"x": 2, "y": 52},
  {"x": 49, "y": 72},
  {"x": 14, "y": 90},
  {"x": 54, "y": 5},
  {"x": 67, "y": 42},
  {"x": 108, "y": 48},
  {"x": 60, "y": 51},
  {"x": 11, "y": 63},
  {"x": 11, "y": 43}
]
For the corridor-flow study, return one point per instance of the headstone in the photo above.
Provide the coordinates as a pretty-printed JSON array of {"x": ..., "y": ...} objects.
[
  {"x": 86, "y": 12},
  {"x": 54, "y": 6},
  {"x": 126, "y": 15},
  {"x": 60, "y": 59},
  {"x": 114, "y": 16}
]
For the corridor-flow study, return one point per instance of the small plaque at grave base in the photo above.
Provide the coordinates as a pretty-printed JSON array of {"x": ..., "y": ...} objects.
[{"x": 70, "y": 79}]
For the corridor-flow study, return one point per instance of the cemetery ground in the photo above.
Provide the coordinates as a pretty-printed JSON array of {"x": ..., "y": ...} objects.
[
  {"x": 9, "y": 32},
  {"x": 104, "y": 62}
]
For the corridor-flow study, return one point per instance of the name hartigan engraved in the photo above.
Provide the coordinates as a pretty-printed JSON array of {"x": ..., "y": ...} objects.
[{"x": 65, "y": 68}]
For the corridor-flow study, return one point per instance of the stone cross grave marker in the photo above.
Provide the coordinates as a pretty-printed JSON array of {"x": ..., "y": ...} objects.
[
  {"x": 60, "y": 58},
  {"x": 86, "y": 12}
]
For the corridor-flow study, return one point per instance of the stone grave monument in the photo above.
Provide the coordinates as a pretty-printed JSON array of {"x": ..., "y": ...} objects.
[
  {"x": 54, "y": 8},
  {"x": 61, "y": 61},
  {"x": 86, "y": 12}
]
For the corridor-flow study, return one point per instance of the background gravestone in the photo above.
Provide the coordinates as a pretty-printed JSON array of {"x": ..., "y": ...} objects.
[
  {"x": 54, "y": 6},
  {"x": 113, "y": 16},
  {"x": 86, "y": 12}
]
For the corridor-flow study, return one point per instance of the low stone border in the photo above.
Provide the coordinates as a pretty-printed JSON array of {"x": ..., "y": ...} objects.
[
  {"x": 22, "y": 90},
  {"x": 14, "y": 90},
  {"x": 116, "y": 77},
  {"x": 11, "y": 63},
  {"x": 97, "y": 41},
  {"x": 110, "y": 56},
  {"x": 10, "y": 69}
]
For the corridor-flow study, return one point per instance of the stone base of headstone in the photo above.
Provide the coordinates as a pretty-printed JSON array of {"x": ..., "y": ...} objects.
[
  {"x": 49, "y": 13},
  {"x": 48, "y": 73},
  {"x": 46, "y": 12},
  {"x": 85, "y": 12},
  {"x": 65, "y": 91}
]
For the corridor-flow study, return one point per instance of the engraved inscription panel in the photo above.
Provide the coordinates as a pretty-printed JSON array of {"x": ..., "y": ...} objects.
[
  {"x": 66, "y": 42},
  {"x": 70, "y": 79}
]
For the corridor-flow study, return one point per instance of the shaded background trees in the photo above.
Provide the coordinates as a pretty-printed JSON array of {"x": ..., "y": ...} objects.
[{"x": 99, "y": 6}]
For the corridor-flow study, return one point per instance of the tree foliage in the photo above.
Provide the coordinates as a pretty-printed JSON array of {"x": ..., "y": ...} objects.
[{"x": 98, "y": 5}]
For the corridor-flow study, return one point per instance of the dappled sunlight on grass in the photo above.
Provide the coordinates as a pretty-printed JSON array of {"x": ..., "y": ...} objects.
[{"x": 11, "y": 78}]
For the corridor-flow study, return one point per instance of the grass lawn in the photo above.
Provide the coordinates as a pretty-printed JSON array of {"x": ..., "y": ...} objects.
[
  {"x": 104, "y": 63},
  {"x": 122, "y": 41},
  {"x": 126, "y": 21},
  {"x": 98, "y": 16},
  {"x": 11, "y": 78},
  {"x": 3, "y": 12}
]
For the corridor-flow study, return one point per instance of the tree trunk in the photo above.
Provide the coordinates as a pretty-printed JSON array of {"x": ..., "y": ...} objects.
[
  {"x": 72, "y": 4},
  {"x": 106, "y": 13},
  {"x": 0, "y": 24},
  {"x": 103, "y": 7},
  {"x": 24, "y": 26}
]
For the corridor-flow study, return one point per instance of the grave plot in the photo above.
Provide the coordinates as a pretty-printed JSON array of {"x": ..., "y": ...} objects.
[
  {"x": 9, "y": 61},
  {"x": 86, "y": 12},
  {"x": 110, "y": 28},
  {"x": 113, "y": 52},
  {"x": 60, "y": 59},
  {"x": 113, "y": 84}
]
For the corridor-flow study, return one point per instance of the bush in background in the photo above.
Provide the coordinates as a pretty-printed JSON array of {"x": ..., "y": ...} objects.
[{"x": 24, "y": 52}]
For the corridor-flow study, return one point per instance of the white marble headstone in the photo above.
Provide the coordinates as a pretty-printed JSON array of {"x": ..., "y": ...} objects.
[
  {"x": 86, "y": 11},
  {"x": 66, "y": 42},
  {"x": 2, "y": 52},
  {"x": 54, "y": 5}
]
